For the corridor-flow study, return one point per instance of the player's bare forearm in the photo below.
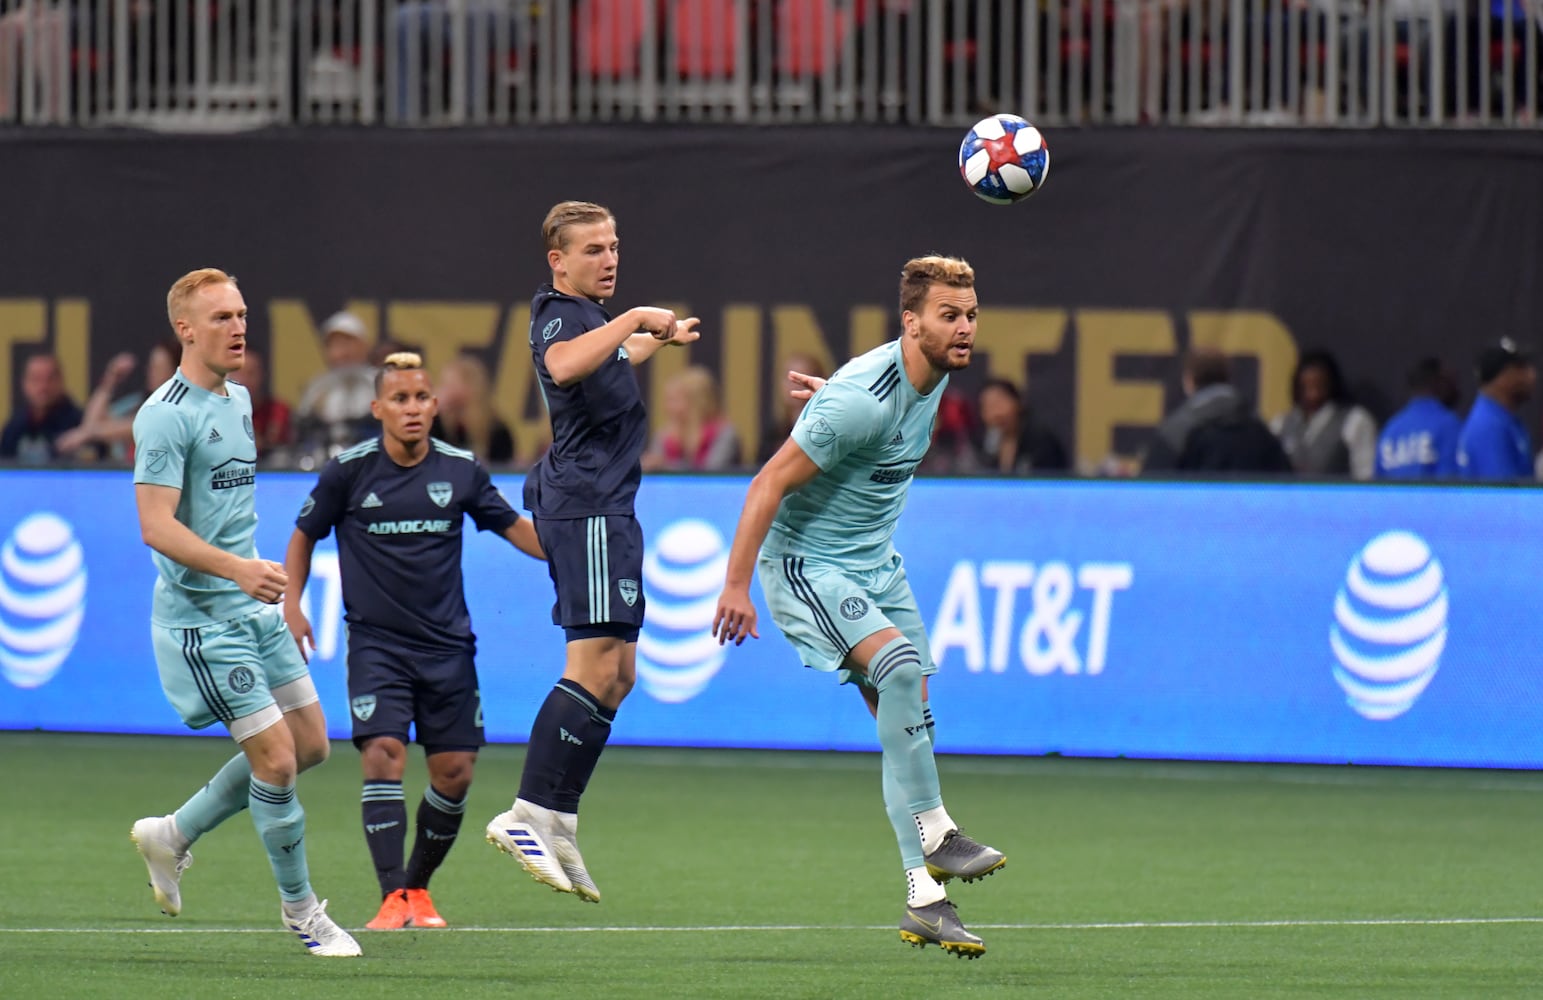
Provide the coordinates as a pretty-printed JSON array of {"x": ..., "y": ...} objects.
[
  {"x": 642, "y": 346},
  {"x": 160, "y": 529},
  {"x": 575, "y": 360},
  {"x": 522, "y": 535},
  {"x": 297, "y": 563}
]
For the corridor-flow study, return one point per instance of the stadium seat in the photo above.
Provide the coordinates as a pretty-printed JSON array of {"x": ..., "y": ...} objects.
[
  {"x": 610, "y": 35},
  {"x": 806, "y": 29},
  {"x": 706, "y": 36}
]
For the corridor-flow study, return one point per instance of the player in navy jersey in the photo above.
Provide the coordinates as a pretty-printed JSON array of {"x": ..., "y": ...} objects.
[
  {"x": 581, "y": 496},
  {"x": 397, "y": 503},
  {"x": 821, "y": 516}
]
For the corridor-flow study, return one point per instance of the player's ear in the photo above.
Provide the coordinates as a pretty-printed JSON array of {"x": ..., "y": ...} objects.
[
  {"x": 375, "y": 408},
  {"x": 552, "y": 257}
]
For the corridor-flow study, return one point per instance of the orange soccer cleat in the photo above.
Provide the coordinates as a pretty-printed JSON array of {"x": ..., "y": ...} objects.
[
  {"x": 394, "y": 914},
  {"x": 420, "y": 908}
]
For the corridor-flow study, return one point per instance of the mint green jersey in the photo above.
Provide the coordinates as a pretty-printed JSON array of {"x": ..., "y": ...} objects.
[
  {"x": 867, "y": 429},
  {"x": 201, "y": 443}
]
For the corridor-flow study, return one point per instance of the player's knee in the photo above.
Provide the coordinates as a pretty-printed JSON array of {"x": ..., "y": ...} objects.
[
  {"x": 383, "y": 758},
  {"x": 311, "y": 754},
  {"x": 897, "y": 667},
  {"x": 451, "y": 778}
]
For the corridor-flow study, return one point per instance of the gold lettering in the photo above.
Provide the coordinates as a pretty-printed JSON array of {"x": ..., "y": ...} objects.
[
  {"x": 514, "y": 385},
  {"x": 870, "y": 328},
  {"x": 1104, "y": 402},
  {"x": 72, "y": 343},
  {"x": 442, "y": 330},
  {"x": 21, "y": 322},
  {"x": 741, "y": 379},
  {"x": 296, "y": 347},
  {"x": 1258, "y": 335},
  {"x": 1009, "y": 336}
]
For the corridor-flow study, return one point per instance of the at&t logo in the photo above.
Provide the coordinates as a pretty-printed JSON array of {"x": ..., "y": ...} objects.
[
  {"x": 677, "y": 654},
  {"x": 1390, "y": 625},
  {"x": 42, "y": 599}
]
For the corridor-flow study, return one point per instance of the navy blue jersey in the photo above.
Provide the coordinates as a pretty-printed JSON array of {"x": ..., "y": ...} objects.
[
  {"x": 399, "y": 539},
  {"x": 599, "y": 424}
]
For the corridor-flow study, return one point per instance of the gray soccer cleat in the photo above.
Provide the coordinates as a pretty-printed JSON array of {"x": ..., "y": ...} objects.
[
  {"x": 153, "y": 836},
  {"x": 525, "y": 834},
  {"x": 960, "y": 857},
  {"x": 938, "y": 923}
]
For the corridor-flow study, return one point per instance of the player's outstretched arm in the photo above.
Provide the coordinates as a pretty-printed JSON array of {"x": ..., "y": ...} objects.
[
  {"x": 297, "y": 563},
  {"x": 788, "y": 470},
  {"x": 571, "y": 361},
  {"x": 158, "y": 526},
  {"x": 522, "y": 535},
  {"x": 642, "y": 346}
]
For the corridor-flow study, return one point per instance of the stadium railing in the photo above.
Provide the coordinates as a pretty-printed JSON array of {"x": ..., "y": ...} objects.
[{"x": 231, "y": 64}]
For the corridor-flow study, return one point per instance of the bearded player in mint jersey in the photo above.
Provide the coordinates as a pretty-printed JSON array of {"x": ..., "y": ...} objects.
[
  {"x": 398, "y": 502},
  {"x": 581, "y": 496}
]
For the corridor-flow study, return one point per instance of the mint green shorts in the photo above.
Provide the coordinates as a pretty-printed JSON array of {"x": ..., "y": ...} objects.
[
  {"x": 226, "y": 671},
  {"x": 826, "y": 610}
]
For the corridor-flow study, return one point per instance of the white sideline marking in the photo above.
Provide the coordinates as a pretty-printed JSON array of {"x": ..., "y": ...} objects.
[{"x": 1137, "y": 925}]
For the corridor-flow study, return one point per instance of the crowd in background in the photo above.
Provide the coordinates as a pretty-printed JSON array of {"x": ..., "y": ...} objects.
[{"x": 992, "y": 430}]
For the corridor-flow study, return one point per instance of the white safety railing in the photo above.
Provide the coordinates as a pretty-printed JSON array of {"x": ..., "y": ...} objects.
[{"x": 224, "y": 64}]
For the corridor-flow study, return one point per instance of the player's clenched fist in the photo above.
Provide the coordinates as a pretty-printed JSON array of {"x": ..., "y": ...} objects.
[{"x": 262, "y": 579}]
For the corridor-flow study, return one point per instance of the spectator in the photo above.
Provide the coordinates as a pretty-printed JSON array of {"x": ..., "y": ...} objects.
[
  {"x": 696, "y": 436},
  {"x": 1324, "y": 433},
  {"x": 272, "y": 425},
  {"x": 953, "y": 437},
  {"x": 786, "y": 407},
  {"x": 1420, "y": 441},
  {"x": 1215, "y": 429},
  {"x": 1010, "y": 441},
  {"x": 334, "y": 410},
  {"x": 45, "y": 413},
  {"x": 466, "y": 418},
  {"x": 1493, "y": 443},
  {"x": 106, "y": 429}
]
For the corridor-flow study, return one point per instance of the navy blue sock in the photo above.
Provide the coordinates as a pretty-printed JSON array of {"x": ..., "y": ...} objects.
[
  {"x": 558, "y": 738},
  {"x": 592, "y": 734},
  {"x": 385, "y": 831},
  {"x": 439, "y": 821}
]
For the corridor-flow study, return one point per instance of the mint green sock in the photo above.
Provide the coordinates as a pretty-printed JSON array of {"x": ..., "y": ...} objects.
[
  {"x": 281, "y": 824},
  {"x": 900, "y": 817},
  {"x": 896, "y": 673},
  {"x": 225, "y": 795}
]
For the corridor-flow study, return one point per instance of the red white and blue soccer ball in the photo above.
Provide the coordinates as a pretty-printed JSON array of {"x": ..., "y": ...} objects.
[{"x": 1004, "y": 159}]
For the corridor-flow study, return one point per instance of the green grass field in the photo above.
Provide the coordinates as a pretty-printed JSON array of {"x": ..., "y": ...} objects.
[{"x": 747, "y": 874}]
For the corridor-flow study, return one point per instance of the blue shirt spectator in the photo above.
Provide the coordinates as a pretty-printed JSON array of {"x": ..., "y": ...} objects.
[
  {"x": 1494, "y": 444},
  {"x": 1420, "y": 441}
]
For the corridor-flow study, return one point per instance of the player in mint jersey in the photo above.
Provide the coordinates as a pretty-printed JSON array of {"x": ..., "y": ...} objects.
[
  {"x": 581, "y": 495},
  {"x": 398, "y": 502},
  {"x": 220, "y": 643},
  {"x": 821, "y": 514}
]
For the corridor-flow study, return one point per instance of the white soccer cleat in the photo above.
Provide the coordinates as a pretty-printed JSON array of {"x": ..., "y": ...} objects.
[
  {"x": 154, "y": 836},
  {"x": 523, "y": 832},
  {"x": 565, "y": 843},
  {"x": 321, "y": 935}
]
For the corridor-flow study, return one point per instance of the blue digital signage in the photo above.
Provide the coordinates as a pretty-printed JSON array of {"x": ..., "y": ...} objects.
[{"x": 1333, "y": 623}]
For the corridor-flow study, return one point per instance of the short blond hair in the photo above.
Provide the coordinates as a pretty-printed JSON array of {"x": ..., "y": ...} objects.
[
  {"x": 397, "y": 361},
  {"x": 185, "y": 287},
  {"x": 921, "y": 273},
  {"x": 567, "y": 214}
]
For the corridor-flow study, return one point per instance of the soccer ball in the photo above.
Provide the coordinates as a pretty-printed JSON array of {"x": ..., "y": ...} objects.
[{"x": 1004, "y": 159}]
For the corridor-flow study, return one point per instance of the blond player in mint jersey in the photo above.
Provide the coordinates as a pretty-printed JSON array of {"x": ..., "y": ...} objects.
[
  {"x": 223, "y": 650},
  {"x": 819, "y": 523}
]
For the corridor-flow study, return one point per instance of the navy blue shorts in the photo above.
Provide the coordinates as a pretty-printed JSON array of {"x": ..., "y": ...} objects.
[
  {"x": 596, "y": 564},
  {"x": 390, "y": 688}
]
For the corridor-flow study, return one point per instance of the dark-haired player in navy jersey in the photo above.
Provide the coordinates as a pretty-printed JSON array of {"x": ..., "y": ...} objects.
[
  {"x": 397, "y": 502},
  {"x": 581, "y": 495}
]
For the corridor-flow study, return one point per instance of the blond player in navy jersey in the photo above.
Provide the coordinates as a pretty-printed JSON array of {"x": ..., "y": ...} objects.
[
  {"x": 819, "y": 522},
  {"x": 220, "y": 643}
]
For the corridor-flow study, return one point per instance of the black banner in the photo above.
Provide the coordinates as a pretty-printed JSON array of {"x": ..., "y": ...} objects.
[{"x": 1379, "y": 246}]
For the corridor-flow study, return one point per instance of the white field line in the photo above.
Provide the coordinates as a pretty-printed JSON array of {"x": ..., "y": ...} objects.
[{"x": 1135, "y": 925}]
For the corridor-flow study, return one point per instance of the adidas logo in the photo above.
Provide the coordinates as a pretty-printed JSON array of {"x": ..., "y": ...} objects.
[
  {"x": 371, "y": 501},
  {"x": 896, "y": 439},
  {"x": 214, "y": 435},
  {"x": 569, "y": 737}
]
